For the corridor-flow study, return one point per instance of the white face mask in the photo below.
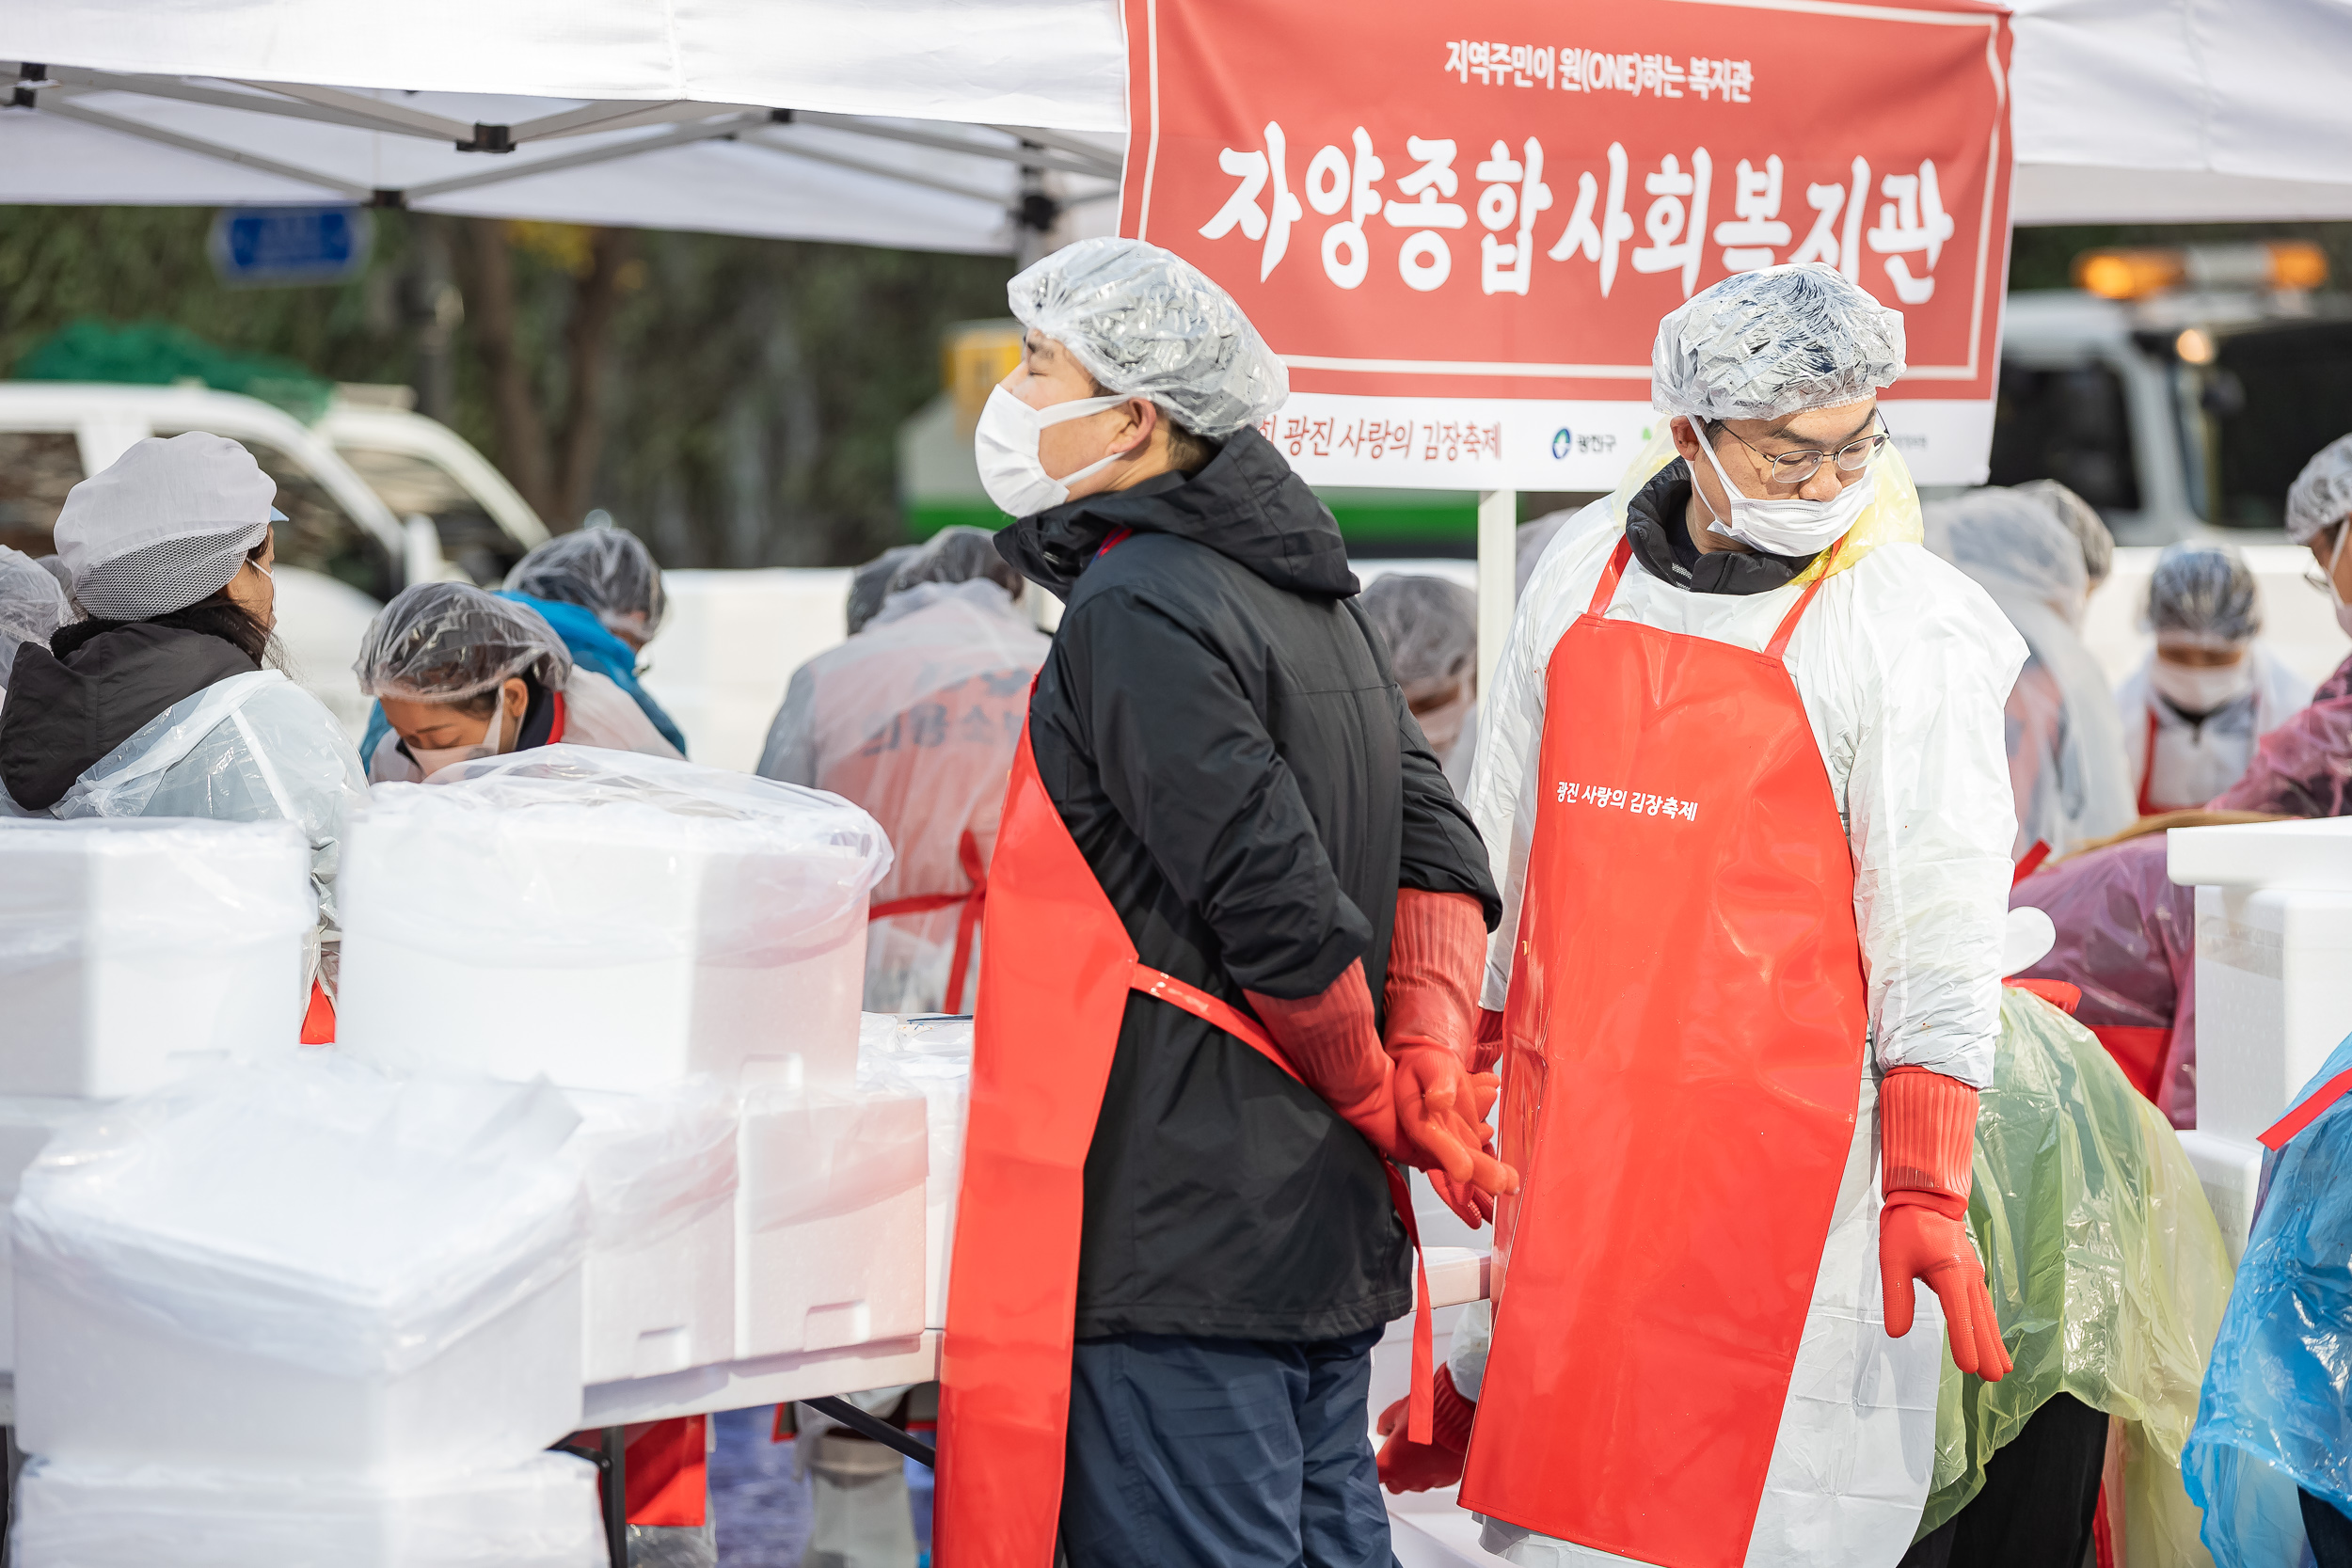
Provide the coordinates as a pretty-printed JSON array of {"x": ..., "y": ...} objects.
[
  {"x": 2200, "y": 689},
  {"x": 431, "y": 760},
  {"x": 1784, "y": 525},
  {"x": 1004, "y": 445}
]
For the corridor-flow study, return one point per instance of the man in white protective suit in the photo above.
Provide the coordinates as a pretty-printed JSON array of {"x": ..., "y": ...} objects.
[{"x": 1744, "y": 761}]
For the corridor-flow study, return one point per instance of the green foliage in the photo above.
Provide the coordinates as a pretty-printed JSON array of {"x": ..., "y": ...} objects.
[{"x": 157, "y": 353}]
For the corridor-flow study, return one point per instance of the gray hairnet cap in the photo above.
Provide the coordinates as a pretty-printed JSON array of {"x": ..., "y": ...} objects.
[
  {"x": 2204, "y": 594},
  {"x": 1431, "y": 626},
  {"x": 2322, "y": 493},
  {"x": 1147, "y": 324},
  {"x": 956, "y": 553},
  {"x": 606, "y": 571},
  {"x": 2082, "y": 519},
  {"x": 165, "y": 525},
  {"x": 1781, "y": 340},
  {"x": 446, "y": 642}
]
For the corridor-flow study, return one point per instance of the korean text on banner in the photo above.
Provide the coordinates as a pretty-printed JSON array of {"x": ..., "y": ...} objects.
[{"x": 1459, "y": 226}]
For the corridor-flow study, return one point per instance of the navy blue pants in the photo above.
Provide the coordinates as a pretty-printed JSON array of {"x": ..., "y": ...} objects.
[{"x": 1222, "y": 1453}]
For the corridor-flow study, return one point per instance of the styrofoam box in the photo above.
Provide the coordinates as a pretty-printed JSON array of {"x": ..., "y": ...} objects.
[
  {"x": 95, "y": 1386},
  {"x": 2231, "y": 1171},
  {"x": 540, "y": 1511},
  {"x": 946, "y": 1113},
  {"x": 829, "y": 1241},
  {"x": 25, "y": 1124},
  {"x": 2274, "y": 997},
  {"x": 612, "y": 1024},
  {"x": 664, "y": 1307},
  {"x": 133, "y": 952}
]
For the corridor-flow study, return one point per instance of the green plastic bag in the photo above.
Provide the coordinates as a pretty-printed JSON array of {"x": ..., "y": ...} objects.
[
  {"x": 2105, "y": 1267},
  {"x": 157, "y": 353}
]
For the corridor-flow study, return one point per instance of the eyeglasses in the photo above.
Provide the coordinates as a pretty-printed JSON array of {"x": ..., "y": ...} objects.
[{"x": 1795, "y": 467}]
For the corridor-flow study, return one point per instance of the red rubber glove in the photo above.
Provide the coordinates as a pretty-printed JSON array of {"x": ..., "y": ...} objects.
[
  {"x": 1488, "y": 1050},
  {"x": 1332, "y": 1042},
  {"x": 1409, "y": 1467},
  {"x": 1927, "y": 1140},
  {"x": 1436, "y": 955}
]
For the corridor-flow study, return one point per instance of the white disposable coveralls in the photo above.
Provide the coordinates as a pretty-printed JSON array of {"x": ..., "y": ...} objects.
[
  {"x": 2197, "y": 759},
  {"x": 253, "y": 748},
  {"x": 915, "y": 718},
  {"x": 595, "y": 713},
  {"x": 1901, "y": 664}
]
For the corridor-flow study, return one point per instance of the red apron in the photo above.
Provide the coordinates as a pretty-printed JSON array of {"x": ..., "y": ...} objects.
[
  {"x": 1056, "y": 970},
  {"x": 1689, "y": 968},
  {"x": 967, "y": 923}
]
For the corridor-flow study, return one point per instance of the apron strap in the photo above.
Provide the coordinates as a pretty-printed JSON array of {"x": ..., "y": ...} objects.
[
  {"x": 1606, "y": 588},
  {"x": 1779, "y": 644},
  {"x": 1420, "y": 1410},
  {"x": 974, "y": 903},
  {"x": 2307, "y": 1113},
  {"x": 2148, "y": 763}
]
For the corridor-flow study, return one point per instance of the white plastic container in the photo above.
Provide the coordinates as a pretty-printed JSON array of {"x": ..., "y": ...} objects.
[
  {"x": 2230, "y": 1170},
  {"x": 930, "y": 1055},
  {"x": 26, "y": 1127},
  {"x": 615, "y": 922},
  {"x": 660, "y": 1175},
  {"x": 303, "y": 1271},
  {"x": 2274, "y": 996},
  {"x": 133, "y": 951},
  {"x": 829, "y": 1242},
  {"x": 538, "y": 1512}
]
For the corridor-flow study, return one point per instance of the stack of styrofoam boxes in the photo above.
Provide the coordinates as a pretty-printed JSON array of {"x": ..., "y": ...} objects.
[
  {"x": 931, "y": 1056},
  {"x": 2274, "y": 986},
  {"x": 304, "y": 1313},
  {"x": 622, "y": 925},
  {"x": 132, "y": 952}
]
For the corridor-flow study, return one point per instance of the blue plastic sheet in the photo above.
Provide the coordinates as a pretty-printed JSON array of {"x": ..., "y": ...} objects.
[{"x": 2276, "y": 1410}]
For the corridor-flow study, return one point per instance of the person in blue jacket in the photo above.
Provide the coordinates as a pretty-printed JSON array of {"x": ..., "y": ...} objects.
[{"x": 600, "y": 590}]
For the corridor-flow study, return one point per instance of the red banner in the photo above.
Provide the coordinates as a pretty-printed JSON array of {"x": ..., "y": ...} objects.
[{"x": 1460, "y": 225}]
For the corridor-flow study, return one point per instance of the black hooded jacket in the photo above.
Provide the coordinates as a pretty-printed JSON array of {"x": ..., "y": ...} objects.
[
  {"x": 1221, "y": 733},
  {"x": 65, "y": 713}
]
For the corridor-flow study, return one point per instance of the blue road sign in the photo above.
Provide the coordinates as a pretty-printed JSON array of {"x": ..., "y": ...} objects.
[{"x": 266, "y": 247}]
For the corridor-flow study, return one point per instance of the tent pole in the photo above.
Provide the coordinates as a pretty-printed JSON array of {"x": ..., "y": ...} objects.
[{"x": 1498, "y": 579}]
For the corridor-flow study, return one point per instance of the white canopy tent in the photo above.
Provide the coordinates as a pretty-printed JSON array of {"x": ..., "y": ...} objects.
[{"x": 908, "y": 122}]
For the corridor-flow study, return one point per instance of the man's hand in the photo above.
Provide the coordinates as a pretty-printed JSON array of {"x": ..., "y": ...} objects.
[{"x": 1438, "y": 1105}]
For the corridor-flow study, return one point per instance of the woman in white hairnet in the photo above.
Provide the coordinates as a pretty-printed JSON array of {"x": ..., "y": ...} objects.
[
  {"x": 2209, "y": 689},
  {"x": 1742, "y": 768},
  {"x": 462, "y": 674},
  {"x": 165, "y": 702},
  {"x": 915, "y": 718},
  {"x": 1431, "y": 626},
  {"x": 2066, "y": 760},
  {"x": 32, "y": 606}
]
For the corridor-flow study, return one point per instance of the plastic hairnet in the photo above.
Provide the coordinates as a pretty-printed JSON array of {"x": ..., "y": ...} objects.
[
  {"x": 2322, "y": 493},
  {"x": 446, "y": 642},
  {"x": 1148, "y": 323},
  {"x": 1431, "y": 626},
  {"x": 959, "y": 553},
  {"x": 1765, "y": 344},
  {"x": 870, "y": 583},
  {"x": 606, "y": 571},
  {"x": 2204, "y": 596},
  {"x": 31, "y": 605},
  {"x": 2082, "y": 519},
  {"x": 2014, "y": 545}
]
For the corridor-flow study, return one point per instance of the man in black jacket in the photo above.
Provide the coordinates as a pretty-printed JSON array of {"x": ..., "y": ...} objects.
[{"x": 1222, "y": 736}]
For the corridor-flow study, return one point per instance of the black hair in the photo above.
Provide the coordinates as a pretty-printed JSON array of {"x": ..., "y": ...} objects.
[{"x": 217, "y": 615}]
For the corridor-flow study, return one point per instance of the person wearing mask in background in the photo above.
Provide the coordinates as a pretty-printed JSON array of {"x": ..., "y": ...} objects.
[
  {"x": 914, "y": 719},
  {"x": 166, "y": 700},
  {"x": 32, "y": 606},
  {"x": 601, "y": 591},
  {"x": 2066, "y": 761},
  {"x": 1744, "y": 766},
  {"x": 1225, "y": 845},
  {"x": 1431, "y": 626},
  {"x": 461, "y": 673},
  {"x": 2208, "y": 689}
]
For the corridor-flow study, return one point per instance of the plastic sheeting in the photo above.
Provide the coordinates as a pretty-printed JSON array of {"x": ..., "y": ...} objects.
[
  {"x": 2106, "y": 1269},
  {"x": 508, "y": 876},
  {"x": 32, "y": 605},
  {"x": 446, "y": 642},
  {"x": 1775, "y": 342},
  {"x": 151, "y": 886},
  {"x": 2065, "y": 741},
  {"x": 915, "y": 719},
  {"x": 2277, "y": 1416},
  {"x": 606, "y": 571},
  {"x": 596, "y": 713},
  {"x": 539, "y": 1514},
  {"x": 1146, "y": 323},
  {"x": 2304, "y": 767},
  {"x": 315, "y": 1213},
  {"x": 2127, "y": 937},
  {"x": 654, "y": 1162},
  {"x": 253, "y": 748}
]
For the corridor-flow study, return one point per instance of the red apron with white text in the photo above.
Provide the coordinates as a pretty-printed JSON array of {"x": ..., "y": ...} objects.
[
  {"x": 1684, "y": 1040},
  {"x": 1056, "y": 971}
]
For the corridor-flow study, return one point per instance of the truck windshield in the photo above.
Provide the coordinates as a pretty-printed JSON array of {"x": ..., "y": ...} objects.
[
  {"x": 2069, "y": 425},
  {"x": 2275, "y": 395}
]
